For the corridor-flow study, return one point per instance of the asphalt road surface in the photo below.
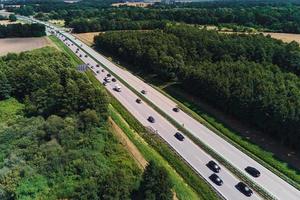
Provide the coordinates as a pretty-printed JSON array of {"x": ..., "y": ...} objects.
[{"x": 187, "y": 149}]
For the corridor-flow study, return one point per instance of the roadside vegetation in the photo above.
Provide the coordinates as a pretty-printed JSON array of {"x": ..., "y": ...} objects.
[
  {"x": 55, "y": 139},
  {"x": 237, "y": 82},
  {"x": 22, "y": 30}
]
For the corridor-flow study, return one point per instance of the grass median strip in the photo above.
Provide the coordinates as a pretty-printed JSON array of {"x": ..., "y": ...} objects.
[{"x": 210, "y": 151}]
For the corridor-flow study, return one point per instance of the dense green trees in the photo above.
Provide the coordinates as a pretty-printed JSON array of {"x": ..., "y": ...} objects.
[
  {"x": 156, "y": 183},
  {"x": 249, "y": 76},
  {"x": 63, "y": 149},
  {"x": 22, "y": 30},
  {"x": 12, "y": 18}
]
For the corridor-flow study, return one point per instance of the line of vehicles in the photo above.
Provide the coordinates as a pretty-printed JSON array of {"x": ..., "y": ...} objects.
[{"x": 212, "y": 165}]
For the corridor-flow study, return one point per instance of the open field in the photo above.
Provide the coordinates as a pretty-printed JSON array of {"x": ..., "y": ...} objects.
[
  {"x": 285, "y": 37},
  {"x": 60, "y": 23},
  {"x": 87, "y": 38},
  {"x": 17, "y": 45},
  {"x": 6, "y": 22}
]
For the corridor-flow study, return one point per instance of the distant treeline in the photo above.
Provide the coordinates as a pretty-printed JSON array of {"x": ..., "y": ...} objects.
[
  {"x": 270, "y": 16},
  {"x": 22, "y": 30},
  {"x": 249, "y": 76}
]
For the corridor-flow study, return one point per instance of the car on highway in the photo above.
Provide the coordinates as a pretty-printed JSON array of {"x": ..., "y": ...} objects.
[
  {"x": 243, "y": 188},
  {"x": 102, "y": 70},
  {"x": 108, "y": 75},
  {"x": 104, "y": 83},
  {"x": 216, "y": 179},
  {"x": 151, "y": 119},
  {"x": 144, "y": 92},
  {"x": 138, "y": 101},
  {"x": 97, "y": 65},
  {"x": 80, "y": 55},
  {"x": 213, "y": 166},
  {"x": 176, "y": 109},
  {"x": 92, "y": 67},
  {"x": 107, "y": 79},
  {"x": 179, "y": 136},
  {"x": 86, "y": 56},
  {"x": 98, "y": 71},
  {"x": 117, "y": 88},
  {"x": 113, "y": 80},
  {"x": 252, "y": 171}
]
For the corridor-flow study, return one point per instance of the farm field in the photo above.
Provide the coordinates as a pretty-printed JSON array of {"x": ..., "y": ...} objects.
[
  {"x": 17, "y": 45},
  {"x": 87, "y": 38},
  {"x": 285, "y": 37}
]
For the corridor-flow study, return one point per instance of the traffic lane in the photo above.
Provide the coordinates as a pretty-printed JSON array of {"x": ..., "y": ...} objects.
[
  {"x": 228, "y": 152},
  {"x": 197, "y": 162}
]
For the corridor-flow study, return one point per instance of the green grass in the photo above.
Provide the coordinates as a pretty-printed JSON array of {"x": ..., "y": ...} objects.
[
  {"x": 10, "y": 110},
  {"x": 75, "y": 60},
  {"x": 262, "y": 156},
  {"x": 153, "y": 148}
]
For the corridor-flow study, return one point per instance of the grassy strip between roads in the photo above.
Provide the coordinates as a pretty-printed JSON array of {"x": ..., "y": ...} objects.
[
  {"x": 265, "y": 158},
  {"x": 210, "y": 151},
  {"x": 152, "y": 148}
]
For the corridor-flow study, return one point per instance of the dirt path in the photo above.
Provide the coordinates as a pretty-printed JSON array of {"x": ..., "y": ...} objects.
[{"x": 138, "y": 157}]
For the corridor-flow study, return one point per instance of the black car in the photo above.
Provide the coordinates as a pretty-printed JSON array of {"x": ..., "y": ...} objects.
[
  {"x": 243, "y": 188},
  {"x": 216, "y": 179},
  {"x": 151, "y": 119},
  {"x": 138, "y": 100},
  {"x": 179, "y": 136},
  {"x": 104, "y": 83},
  {"x": 143, "y": 92},
  {"x": 176, "y": 109},
  {"x": 213, "y": 166},
  {"x": 97, "y": 65},
  {"x": 97, "y": 72},
  {"x": 113, "y": 80},
  {"x": 252, "y": 171},
  {"x": 108, "y": 75},
  {"x": 92, "y": 67},
  {"x": 80, "y": 55},
  {"x": 102, "y": 70},
  {"x": 86, "y": 56}
]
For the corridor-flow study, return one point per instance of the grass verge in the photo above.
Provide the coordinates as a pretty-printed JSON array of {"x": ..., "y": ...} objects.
[
  {"x": 10, "y": 110},
  {"x": 75, "y": 60},
  {"x": 153, "y": 148}
]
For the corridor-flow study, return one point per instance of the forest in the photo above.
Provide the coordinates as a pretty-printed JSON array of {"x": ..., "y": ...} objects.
[
  {"x": 252, "y": 77},
  {"x": 275, "y": 16},
  {"x": 59, "y": 145},
  {"x": 22, "y": 30}
]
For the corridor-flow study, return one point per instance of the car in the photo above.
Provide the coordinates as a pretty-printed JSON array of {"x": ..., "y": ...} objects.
[
  {"x": 243, "y": 188},
  {"x": 104, "y": 83},
  {"x": 97, "y": 65},
  {"x": 252, "y": 171},
  {"x": 176, "y": 109},
  {"x": 80, "y": 55},
  {"x": 138, "y": 100},
  {"x": 102, "y": 70},
  {"x": 108, "y": 75},
  {"x": 143, "y": 92},
  {"x": 107, "y": 79},
  {"x": 216, "y": 179},
  {"x": 92, "y": 67},
  {"x": 179, "y": 136},
  {"x": 113, "y": 80},
  {"x": 151, "y": 119},
  {"x": 213, "y": 166},
  {"x": 86, "y": 56},
  {"x": 97, "y": 71}
]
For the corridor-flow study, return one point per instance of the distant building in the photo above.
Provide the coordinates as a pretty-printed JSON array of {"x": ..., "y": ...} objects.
[{"x": 133, "y": 4}]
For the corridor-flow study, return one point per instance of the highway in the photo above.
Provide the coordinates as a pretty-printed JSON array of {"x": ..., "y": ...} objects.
[{"x": 269, "y": 181}]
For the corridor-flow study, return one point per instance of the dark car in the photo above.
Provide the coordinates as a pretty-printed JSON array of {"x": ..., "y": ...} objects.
[
  {"x": 243, "y": 188},
  {"x": 97, "y": 65},
  {"x": 86, "y": 56},
  {"x": 80, "y": 55},
  {"x": 108, "y": 75},
  {"x": 102, "y": 70},
  {"x": 143, "y": 92},
  {"x": 97, "y": 72},
  {"x": 216, "y": 179},
  {"x": 92, "y": 67},
  {"x": 104, "y": 83},
  {"x": 113, "y": 80},
  {"x": 176, "y": 109},
  {"x": 179, "y": 136},
  {"x": 213, "y": 166},
  {"x": 138, "y": 100},
  {"x": 151, "y": 119},
  {"x": 252, "y": 171}
]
